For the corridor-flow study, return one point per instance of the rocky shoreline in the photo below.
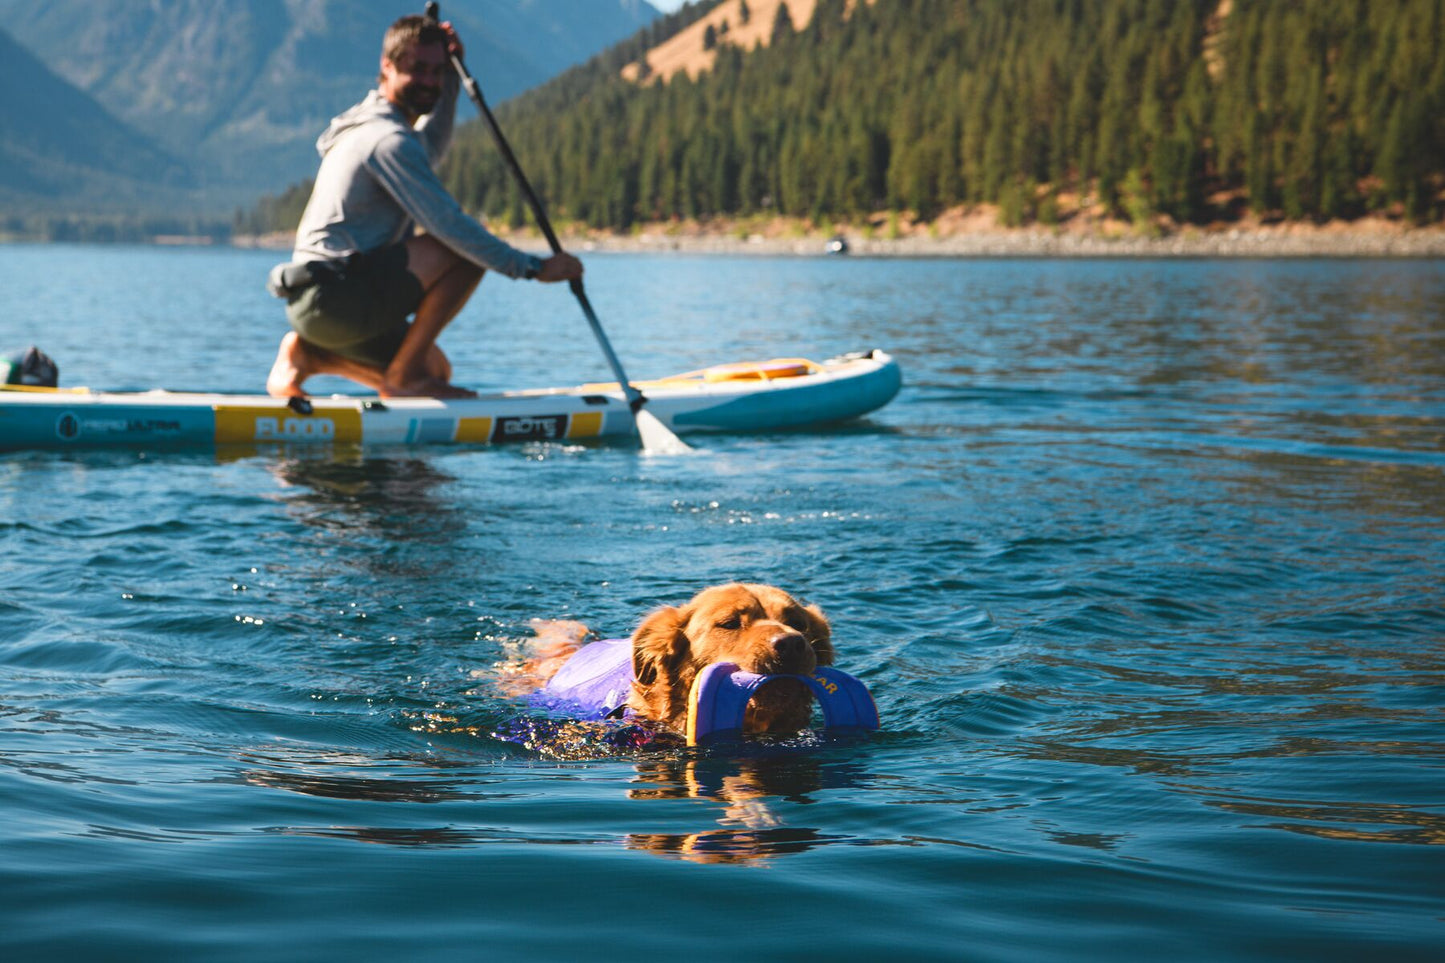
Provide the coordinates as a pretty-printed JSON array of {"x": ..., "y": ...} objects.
[
  {"x": 1358, "y": 240},
  {"x": 1266, "y": 242}
]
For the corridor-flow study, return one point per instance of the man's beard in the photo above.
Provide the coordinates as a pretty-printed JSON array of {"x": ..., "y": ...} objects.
[{"x": 421, "y": 99}]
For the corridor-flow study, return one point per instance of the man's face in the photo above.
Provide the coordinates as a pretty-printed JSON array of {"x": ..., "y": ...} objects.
[{"x": 414, "y": 80}]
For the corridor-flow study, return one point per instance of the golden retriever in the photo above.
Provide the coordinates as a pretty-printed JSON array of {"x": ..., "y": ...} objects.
[{"x": 759, "y": 628}]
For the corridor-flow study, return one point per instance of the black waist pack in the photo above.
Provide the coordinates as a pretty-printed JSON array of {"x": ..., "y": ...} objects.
[{"x": 289, "y": 280}]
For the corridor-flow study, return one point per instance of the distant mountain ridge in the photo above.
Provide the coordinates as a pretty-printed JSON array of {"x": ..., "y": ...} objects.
[
  {"x": 57, "y": 142},
  {"x": 236, "y": 92}
]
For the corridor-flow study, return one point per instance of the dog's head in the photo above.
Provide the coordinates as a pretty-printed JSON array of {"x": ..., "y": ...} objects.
[{"x": 756, "y": 627}]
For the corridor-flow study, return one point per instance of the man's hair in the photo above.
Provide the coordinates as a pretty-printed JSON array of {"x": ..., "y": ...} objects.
[{"x": 408, "y": 31}]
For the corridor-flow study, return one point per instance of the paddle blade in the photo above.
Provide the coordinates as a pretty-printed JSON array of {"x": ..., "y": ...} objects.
[{"x": 657, "y": 438}]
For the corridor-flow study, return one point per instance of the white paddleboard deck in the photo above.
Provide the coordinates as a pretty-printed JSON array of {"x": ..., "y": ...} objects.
[{"x": 755, "y": 396}]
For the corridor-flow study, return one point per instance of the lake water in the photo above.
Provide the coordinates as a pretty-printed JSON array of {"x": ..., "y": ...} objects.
[{"x": 1144, "y": 568}]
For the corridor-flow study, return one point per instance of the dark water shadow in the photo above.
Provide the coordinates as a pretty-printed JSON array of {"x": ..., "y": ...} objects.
[
  {"x": 396, "y": 499},
  {"x": 389, "y": 790}
]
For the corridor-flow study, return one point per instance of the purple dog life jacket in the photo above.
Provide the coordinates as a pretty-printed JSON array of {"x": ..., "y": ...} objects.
[
  {"x": 595, "y": 683},
  {"x": 592, "y": 684}
]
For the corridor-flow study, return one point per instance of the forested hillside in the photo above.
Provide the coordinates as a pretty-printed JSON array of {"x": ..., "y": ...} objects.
[{"x": 1188, "y": 109}]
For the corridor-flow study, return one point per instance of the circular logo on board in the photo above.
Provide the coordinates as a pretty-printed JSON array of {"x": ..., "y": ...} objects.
[{"x": 68, "y": 426}]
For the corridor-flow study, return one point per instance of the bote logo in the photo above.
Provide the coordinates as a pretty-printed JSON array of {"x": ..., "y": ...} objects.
[
  {"x": 530, "y": 428},
  {"x": 67, "y": 426}
]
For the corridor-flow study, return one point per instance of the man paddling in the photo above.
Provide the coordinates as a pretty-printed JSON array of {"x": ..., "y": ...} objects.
[{"x": 359, "y": 269}]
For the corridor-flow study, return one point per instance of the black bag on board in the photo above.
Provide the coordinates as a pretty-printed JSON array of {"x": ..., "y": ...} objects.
[{"x": 31, "y": 368}]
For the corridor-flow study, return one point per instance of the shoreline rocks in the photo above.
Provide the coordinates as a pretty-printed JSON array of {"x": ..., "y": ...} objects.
[
  {"x": 1256, "y": 243},
  {"x": 1362, "y": 240}
]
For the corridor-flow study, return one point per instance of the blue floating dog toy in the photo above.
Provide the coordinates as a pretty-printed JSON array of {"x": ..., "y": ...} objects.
[{"x": 721, "y": 692}]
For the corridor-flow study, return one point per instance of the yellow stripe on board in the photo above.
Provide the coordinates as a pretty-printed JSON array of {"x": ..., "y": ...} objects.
[
  {"x": 585, "y": 424},
  {"x": 236, "y": 424},
  {"x": 474, "y": 429},
  {"x": 46, "y": 389}
]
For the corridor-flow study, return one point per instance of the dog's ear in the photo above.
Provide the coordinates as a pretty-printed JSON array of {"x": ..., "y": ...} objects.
[
  {"x": 819, "y": 634},
  {"x": 659, "y": 647}
]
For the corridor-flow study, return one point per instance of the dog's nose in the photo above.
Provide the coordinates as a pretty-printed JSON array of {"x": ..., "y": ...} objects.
[{"x": 790, "y": 648}]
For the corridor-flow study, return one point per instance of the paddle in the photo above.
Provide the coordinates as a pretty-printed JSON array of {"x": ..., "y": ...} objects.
[{"x": 656, "y": 437}]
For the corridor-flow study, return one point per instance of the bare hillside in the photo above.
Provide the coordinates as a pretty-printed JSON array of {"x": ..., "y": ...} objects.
[{"x": 685, "y": 51}]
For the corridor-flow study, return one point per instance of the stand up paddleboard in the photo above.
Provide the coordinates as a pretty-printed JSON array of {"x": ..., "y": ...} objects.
[{"x": 762, "y": 396}]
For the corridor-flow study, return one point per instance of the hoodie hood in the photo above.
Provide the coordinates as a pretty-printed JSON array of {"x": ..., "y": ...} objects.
[{"x": 374, "y": 107}]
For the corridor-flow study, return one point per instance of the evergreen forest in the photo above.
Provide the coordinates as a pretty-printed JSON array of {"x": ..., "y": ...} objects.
[{"x": 1190, "y": 109}]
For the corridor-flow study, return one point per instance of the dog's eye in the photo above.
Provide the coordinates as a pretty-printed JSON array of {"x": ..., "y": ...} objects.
[{"x": 731, "y": 622}]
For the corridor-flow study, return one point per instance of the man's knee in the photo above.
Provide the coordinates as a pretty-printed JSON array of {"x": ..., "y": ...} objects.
[
  {"x": 437, "y": 365},
  {"x": 465, "y": 274},
  {"x": 429, "y": 259}
]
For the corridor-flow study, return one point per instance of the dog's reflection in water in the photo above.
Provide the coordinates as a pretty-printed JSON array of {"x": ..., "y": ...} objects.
[
  {"x": 745, "y": 795},
  {"x": 749, "y": 829}
]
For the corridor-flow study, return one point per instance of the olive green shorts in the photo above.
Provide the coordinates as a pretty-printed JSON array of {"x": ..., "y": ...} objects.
[{"x": 361, "y": 311}]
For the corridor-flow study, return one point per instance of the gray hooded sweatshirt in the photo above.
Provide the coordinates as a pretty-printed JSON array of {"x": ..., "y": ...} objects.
[{"x": 377, "y": 181}]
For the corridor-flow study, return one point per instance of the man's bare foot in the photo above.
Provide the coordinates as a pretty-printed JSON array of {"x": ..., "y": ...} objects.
[
  {"x": 424, "y": 387},
  {"x": 293, "y": 366}
]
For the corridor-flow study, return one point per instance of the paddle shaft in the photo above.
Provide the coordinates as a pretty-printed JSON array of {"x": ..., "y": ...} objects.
[{"x": 635, "y": 400}]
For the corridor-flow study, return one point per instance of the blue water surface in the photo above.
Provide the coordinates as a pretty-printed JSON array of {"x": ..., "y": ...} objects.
[{"x": 1144, "y": 568}]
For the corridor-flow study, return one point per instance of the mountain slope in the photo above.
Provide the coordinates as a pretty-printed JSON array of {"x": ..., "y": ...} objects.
[
  {"x": 61, "y": 150},
  {"x": 739, "y": 23},
  {"x": 241, "y": 89}
]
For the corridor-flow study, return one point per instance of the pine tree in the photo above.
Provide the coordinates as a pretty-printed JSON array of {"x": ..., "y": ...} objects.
[{"x": 782, "y": 24}]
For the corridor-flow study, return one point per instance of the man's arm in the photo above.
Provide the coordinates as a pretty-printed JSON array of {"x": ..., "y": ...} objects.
[
  {"x": 435, "y": 129},
  {"x": 401, "y": 165}
]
